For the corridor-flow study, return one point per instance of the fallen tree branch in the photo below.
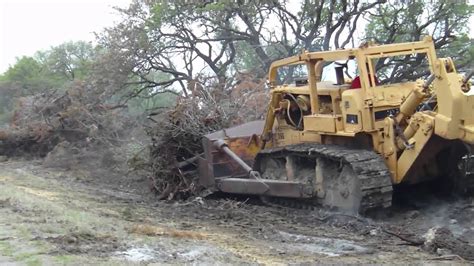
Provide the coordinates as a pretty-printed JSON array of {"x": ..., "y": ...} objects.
[
  {"x": 449, "y": 257},
  {"x": 189, "y": 161},
  {"x": 414, "y": 242}
]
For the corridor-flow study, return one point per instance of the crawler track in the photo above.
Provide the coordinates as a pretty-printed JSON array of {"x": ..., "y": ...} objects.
[{"x": 367, "y": 166}]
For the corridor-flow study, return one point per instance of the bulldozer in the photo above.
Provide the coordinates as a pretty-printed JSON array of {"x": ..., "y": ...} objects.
[{"x": 334, "y": 139}]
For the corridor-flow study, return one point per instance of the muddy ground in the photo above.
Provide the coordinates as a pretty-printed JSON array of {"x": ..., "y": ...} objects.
[{"x": 49, "y": 216}]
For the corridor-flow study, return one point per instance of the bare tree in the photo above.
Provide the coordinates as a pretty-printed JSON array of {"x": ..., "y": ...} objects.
[
  {"x": 185, "y": 41},
  {"x": 174, "y": 46},
  {"x": 405, "y": 21}
]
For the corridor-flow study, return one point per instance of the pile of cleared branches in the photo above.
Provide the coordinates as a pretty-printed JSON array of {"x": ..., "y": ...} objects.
[
  {"x": 176, "y": 138},
  {"x": 77, "y": 116},
  {"x": 176, "y": 134}
]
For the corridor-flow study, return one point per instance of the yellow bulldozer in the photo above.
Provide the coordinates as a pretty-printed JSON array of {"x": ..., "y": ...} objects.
[{"x": 343, "y": 127}]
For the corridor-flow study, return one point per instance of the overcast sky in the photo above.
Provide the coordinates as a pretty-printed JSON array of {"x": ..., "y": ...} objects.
[{"x": 27, "y": 26}]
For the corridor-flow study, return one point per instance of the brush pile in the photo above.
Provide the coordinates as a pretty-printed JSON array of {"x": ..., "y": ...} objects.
[
  {"x": 176, "y": 134},
  {"x": 78, "y": 116}
]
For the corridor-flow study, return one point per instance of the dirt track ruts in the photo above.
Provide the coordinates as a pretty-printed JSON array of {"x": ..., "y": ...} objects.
[{"x": 49, "y": 216}]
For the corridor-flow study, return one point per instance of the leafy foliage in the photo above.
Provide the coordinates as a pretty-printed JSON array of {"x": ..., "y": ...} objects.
[
  {"x": 52, "y": 68},
  {"x": 69, "y": 61},
  {"x": 29, "y": 75}
]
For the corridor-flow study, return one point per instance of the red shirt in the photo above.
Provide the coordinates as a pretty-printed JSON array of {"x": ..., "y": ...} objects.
[{"x": 356, "y": 82}]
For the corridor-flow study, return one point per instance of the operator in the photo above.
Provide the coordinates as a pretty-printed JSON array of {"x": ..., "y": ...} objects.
[{"x": 356, "y": 81}]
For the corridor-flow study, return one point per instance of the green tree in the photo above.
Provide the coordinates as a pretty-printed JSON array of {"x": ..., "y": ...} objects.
[
  {"x": 52, "y": 68},
  {"x": 45, "y": 72},
  {"x": 28, "y": 74},
  {"x": 69, "y": 61}
]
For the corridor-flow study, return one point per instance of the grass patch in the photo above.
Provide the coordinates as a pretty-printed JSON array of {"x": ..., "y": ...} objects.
[
  {"x": 6, "y": 249},
  {"x": 29, "y": 258},
  {"x": 65, "y": 259}
]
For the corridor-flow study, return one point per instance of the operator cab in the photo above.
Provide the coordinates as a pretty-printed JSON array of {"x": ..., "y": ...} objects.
[
  {"x": 332, "y": 78},
  {"x": 351, "y": 90}
]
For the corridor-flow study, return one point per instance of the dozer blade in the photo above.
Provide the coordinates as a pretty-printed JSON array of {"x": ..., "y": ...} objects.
[
  {"x": 229, "y": 154},
  {"x": 242, "y": 140},
  {"x": 275, "y": 188}
]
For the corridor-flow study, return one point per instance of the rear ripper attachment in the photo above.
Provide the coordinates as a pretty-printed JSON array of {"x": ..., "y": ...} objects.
[{"x": 317, "y": 174}]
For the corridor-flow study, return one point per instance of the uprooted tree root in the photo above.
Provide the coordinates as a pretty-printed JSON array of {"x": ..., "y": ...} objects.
[
  {"x": 437, "y": 238},
  {"x": 26, "y": 144},
  {"x": 443, "y": 238}
]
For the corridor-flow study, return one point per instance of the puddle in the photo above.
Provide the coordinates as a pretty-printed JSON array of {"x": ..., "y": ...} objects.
[
  {"x": 167, "y": 252},
  {"x": 190, "y": 255},
  {"x": 146, "y": 254},
  {"x": 327, "y": 246},
  {"x": 139, "y": 254}
]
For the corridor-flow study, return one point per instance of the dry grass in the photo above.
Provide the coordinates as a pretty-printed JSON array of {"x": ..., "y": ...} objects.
[
  {"x": 49, "y": 195},
  {"x": 151, "y": 230}
]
